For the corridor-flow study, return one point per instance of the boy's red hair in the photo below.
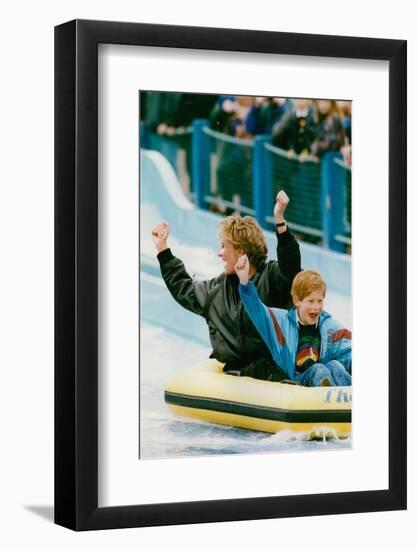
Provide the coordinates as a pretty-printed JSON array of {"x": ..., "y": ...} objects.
[{"x": 305, "y": 283}]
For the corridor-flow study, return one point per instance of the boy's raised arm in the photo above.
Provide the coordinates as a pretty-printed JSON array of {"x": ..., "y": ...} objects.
[{"x": 262, "y": 317}]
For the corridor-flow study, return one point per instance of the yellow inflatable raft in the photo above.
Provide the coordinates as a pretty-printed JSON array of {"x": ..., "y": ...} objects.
[{"x": 207, "y": 394}]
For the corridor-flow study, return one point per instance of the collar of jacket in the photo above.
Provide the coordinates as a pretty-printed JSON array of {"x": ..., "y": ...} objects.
[
  {"x": 260, "y": 268},
  {"x": 234, "y": 279},
  {"x": 292, "y": 316}
]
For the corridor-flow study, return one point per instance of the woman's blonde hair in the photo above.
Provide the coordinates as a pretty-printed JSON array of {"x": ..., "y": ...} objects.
[
  {"x": 305, "y": 283},
  {"x": 245, "y": 234}
]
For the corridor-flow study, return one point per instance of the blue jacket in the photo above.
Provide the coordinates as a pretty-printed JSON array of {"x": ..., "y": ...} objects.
[{"x": 279, "y": 331}]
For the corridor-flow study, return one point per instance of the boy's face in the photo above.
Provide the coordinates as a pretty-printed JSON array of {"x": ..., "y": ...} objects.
[
  {"x": 229, "y": 255},
  {"x": 310, "y": 307}
]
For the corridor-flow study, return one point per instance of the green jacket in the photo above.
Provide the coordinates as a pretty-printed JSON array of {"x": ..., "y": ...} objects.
[{"x": 233, "y": 336}]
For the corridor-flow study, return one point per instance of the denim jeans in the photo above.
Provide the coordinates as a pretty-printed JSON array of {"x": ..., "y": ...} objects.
[{"x": 334, "y": 371}]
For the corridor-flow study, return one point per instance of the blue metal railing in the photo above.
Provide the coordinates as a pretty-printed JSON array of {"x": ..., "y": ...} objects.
[
  {"x": 302, "y": 182},
  {"x": 342, "y": 174},
  {"x": 230, "y": 169},
  {"x": 231, "y": 174}
]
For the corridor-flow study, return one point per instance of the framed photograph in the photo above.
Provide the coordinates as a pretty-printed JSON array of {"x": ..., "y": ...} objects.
[
  {"x": 230, "y": 238},
  {"x": 214, "y": 163}
]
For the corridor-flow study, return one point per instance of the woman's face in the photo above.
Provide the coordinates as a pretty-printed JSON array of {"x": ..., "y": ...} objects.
[{"x": 229, "y": 255}]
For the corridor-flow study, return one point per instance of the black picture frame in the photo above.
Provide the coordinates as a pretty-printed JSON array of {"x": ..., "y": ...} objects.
[{"x": 76, "y": 272}]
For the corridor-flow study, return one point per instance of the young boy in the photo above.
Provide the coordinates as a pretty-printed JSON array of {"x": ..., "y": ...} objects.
[{"x": 306, "y": 342}]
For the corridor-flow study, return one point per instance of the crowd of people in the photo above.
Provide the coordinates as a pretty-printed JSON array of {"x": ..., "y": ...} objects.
[{"x": 304, "y": 127}]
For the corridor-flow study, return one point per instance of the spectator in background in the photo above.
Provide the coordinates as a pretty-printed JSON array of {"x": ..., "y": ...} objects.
[
  {"x": 296, "y": 131},
  {"x": 266, "y": 112},
  {"x": 345, "y": 109},
  {"x": 330, "y": 131},
  {"x": 232, "y": 116},
  {"x": 246, "y": 116}
]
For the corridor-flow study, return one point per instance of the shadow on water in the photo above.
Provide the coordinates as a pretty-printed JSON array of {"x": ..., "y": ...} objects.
[{"x": 45, "y": 512}]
